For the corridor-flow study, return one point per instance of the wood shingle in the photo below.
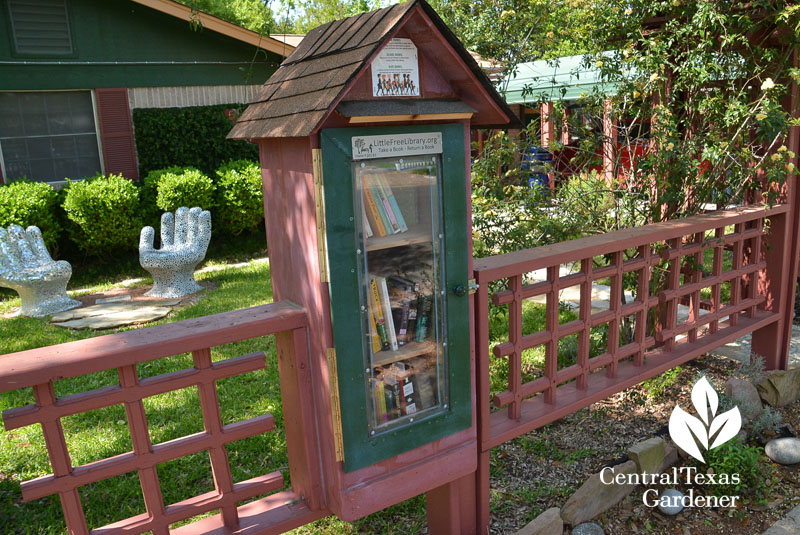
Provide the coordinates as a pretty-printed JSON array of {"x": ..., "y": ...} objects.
[{"x": 312, "y": 80}]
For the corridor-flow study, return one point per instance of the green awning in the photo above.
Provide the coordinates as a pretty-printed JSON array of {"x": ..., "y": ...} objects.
[{"x": 566, "y": 78}]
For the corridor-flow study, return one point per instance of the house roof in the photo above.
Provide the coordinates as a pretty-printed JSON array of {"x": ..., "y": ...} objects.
[
  {"x": 218, "y": 25},
  {"x": 303, "y": 91}
]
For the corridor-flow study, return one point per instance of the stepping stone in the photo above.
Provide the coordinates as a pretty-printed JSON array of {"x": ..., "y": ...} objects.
[
  {"x": 114, "y": 314},
  {"x": 784, "y": 450},
  {"x": 111, "y": 308},
  {"x": 116, "y": 299},
  {"x": 118, "y": 318}
]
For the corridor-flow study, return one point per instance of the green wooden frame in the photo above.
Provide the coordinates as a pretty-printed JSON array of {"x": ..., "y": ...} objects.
[{"x": 361, "y": 449}]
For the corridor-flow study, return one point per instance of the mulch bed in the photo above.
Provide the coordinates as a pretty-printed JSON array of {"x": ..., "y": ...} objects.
[{"x": 543, "y": 468}]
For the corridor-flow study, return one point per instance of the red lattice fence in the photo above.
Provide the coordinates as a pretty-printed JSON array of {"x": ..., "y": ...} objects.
[
  {"x": 278, "y": 512},
  {"x": 657, "y": 339}
]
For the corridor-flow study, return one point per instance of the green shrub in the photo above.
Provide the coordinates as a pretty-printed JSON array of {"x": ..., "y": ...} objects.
[
  {"x": 104, "y": 214},
  {"x": 240, "y": 201},
  {"x": 189, "y": 188},
  {"x": 26, "y": 203},
  {"x": 736, "y": 457},
  {"x": 188, "y": 136},
  {"x": 148, "y": 193}
]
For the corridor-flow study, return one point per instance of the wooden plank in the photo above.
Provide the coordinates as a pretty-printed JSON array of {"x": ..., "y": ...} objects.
[
  {"x": 506, "y": 265},
  {"x": 38, "y": 366},
  {"x": 272, "y": 515}
]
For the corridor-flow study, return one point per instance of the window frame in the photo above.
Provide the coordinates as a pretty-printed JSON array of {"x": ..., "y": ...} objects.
[{"x": 58, "y": 183}]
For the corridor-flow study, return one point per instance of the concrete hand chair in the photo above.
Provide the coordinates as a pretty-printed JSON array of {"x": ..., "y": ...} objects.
[
  {"x": 27, "y": 268},
  {"x": 184, "y": 242}
]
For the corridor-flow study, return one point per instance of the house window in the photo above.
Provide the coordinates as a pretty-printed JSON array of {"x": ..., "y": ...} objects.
[
  {"x": 40, "y": 27},
  {"x": 48, "y": 136}
]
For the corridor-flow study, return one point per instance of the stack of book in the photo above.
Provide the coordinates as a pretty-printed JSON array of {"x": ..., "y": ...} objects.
[
  {"x": 382, "y": 214},
  {"x": 399, "y": 313},
  {"x": 402, "y": 389}
]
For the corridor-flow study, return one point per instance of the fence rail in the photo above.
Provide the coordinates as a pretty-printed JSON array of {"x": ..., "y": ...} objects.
[
  {"x": 39, "y": 368},
  {"x": 644, "y": 336}
]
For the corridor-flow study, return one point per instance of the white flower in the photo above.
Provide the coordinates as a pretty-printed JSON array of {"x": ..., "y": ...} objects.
[
  {"x": 628, "y": 11},
  {"x": 654, "y": 77},
  {"x": 767, "y": 85},
  {"x": 670, "y": 146}
]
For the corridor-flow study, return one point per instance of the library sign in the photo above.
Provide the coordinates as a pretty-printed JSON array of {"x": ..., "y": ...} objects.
[{"x": 393, "y": 145}]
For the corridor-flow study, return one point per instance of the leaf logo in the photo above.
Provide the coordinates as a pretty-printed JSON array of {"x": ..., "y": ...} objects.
[{"x": 689, "y": 432}]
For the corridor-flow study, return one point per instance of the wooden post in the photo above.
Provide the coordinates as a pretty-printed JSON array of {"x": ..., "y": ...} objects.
[
  {"x": 450, "y": 509},
  {"x": 548, "y": 125},
  {"x": 768, "y": 342},
  {"x": 609, "y": 142},
  {"x": 782, "y": 254}
]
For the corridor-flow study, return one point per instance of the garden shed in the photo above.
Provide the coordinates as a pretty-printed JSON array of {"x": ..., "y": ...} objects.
[{"x": 75, "y": 70}]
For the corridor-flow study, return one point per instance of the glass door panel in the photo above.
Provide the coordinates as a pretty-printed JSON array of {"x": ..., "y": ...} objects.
[{"x": 401, "y": 271}]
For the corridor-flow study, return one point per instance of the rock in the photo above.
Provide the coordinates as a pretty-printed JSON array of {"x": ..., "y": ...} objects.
[
  {"x": 675, "y": 504},
  {"x": 588, "y": 528},
  {"x": 594, "y": 496},
  {"x": 745, "y": 396},
  {"x": 781, "y": 387},
  {"x": 670, "y": 457},
  {"x": 547, "y": 523},
  {"x": 648, "y": 455},
  {"x": 784, "y": 450}
]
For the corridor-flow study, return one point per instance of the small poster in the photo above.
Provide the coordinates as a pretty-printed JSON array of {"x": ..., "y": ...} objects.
[
  {"x": 395, "y": 72},
  {"x": 393, "y": 145}
]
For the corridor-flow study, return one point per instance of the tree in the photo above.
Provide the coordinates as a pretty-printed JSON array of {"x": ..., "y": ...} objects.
[
  {"x": 515, "y": 31},
  {"x": 252, "y": 14}
]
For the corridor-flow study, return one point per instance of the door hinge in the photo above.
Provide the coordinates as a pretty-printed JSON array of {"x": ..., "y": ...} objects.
[
  {"x": 336, "y": 408},
  {"x": 319, "y": 201}
]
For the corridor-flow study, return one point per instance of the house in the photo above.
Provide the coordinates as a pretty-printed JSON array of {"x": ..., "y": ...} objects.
[{"x": 72, "y": 71}]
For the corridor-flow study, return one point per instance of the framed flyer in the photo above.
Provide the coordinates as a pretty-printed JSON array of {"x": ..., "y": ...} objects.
[{"x": 395, "y": 71}]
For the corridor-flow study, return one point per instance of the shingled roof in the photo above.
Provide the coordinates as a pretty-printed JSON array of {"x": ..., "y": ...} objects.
[{"x": 301, "y": 93}]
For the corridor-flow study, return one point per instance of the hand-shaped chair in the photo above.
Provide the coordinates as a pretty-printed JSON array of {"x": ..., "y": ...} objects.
[
  {"x": 27, "y": 268},
  {"x": 184, "y": 242}
]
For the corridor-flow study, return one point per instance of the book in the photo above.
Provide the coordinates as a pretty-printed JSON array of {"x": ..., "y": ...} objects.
[
  {"x": 379, "y": 338},
  {"x": 367, "y": 227},
  {"x": 371, "y": 209},
  {"x": 383, "y": 292},
  {"x": 370, "y": 185},
  {"x": 379, "y": 395},
  {"x": 424, "y": 304},
  {"x": 401, "y": 294},
  {"x": 393, "y": 203}
]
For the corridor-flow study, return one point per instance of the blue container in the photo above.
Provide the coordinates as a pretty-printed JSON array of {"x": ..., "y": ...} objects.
[{"x": 535, "y": 163}]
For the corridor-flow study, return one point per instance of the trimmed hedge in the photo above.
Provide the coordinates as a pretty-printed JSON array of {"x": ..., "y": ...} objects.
[
  {"x": 190, "y": 188},
  {"x": 240, "y": 200},
  {"x": 148, "y": 193},
  {"x": 26, "y": 203},
  {"x": 104, "y": 214},
  {"x": 188, "y": 136}
]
